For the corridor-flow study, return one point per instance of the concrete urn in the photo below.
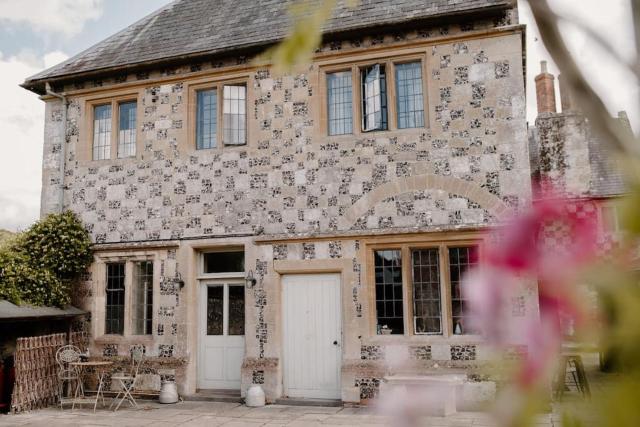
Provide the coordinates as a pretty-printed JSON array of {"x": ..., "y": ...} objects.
[
  {"x": 255, "y": 396},
  {"x": 168, "y": 392}
]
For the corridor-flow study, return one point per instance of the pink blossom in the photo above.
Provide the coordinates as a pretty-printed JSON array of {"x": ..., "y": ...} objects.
[{"x": 526, "y": 248}]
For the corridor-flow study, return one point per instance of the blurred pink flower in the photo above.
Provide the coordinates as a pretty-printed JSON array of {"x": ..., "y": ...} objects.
[{"x": 550, "y": 243}]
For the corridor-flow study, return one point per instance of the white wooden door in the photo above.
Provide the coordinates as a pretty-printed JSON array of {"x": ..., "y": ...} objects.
[
  {"x": 221, "y": 335},
  {"x": 312, "y": 335}
]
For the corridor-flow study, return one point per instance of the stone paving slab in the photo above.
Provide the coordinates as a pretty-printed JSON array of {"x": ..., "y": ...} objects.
[{"x": 197, "y": 414}]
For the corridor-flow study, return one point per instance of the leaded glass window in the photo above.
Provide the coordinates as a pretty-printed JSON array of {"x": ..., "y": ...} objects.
[
  {"x": 142, "y": 297},
  {"x": 460, "y": 260},
  {"x": 339, "y": 103},
  {"x": 374, "y": 98},
  {"x": 426, "y": 291},
  {"x": 102, "y": 132},
  {"x": 114, "y": 310},
  {"x": 206, "y": 119},
  {"x": 234, "y": 114},
  {"x": 236, "y": 310},
  {"x": 215, "y": 310},
  {"x": 127, "y": 129},
  {"x": 409, "y": 96},
  {"x": 389, "y": 300}
]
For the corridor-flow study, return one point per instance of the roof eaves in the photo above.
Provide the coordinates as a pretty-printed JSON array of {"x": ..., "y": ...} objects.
[{"x": 38, "y": 85}]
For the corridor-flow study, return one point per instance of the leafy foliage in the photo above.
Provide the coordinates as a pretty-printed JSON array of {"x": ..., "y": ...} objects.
[
  {"x": 40, "y": 264},
  {"x": 5, "y": 236}
]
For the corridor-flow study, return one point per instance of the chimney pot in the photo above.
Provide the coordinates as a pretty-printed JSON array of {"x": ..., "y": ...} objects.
[{"x": 545, "y": 90}]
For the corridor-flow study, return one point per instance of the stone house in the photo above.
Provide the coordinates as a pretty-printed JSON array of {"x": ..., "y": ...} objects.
[{"x": 293, "y": 230}]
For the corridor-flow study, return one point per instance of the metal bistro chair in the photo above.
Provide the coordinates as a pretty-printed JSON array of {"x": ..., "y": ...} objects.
[
  {"x": 68, "y": 374},
  {"x": 128, "y": 380}
]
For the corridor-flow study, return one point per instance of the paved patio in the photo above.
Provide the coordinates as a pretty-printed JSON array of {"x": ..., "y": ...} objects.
[{"x": 232, "y": 414}]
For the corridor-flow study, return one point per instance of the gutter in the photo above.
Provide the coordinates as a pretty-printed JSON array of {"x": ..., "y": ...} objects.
[{"x": 63, "y": 149}]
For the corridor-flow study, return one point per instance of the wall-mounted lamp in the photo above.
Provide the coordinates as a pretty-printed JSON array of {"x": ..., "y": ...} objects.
[
  {"x": 251, "y": 281},
  {"x": 178, "y": 280}
]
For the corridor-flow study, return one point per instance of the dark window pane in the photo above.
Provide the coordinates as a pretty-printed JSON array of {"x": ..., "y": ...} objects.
[
  {"x": 410, "y": 103},
  {"x": 142, "y": 298},
  {"x": 460, "y": 260},
  {"x": 236, "y": 310},
  {"x": 215, "y": 310},
  {"x": 389, "y": 310},
  {"x": 224, "y": 262},
  {"x": 114, "y": 310},
  {"x": 426, "y": 291}
]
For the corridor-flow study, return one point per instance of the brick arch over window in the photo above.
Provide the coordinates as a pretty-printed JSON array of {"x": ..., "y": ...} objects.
[{"x": 493, "y": 204}]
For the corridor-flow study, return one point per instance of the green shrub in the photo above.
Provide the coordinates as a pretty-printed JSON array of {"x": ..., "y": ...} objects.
[{"x": 40, "y": 264}]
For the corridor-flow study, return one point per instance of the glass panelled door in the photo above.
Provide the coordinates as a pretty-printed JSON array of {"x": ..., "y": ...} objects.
[{"x": 221, "y": 335}]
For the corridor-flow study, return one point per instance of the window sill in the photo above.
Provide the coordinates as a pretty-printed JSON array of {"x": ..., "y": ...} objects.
[
  {"x": 122, "y": 339},
  {"x": 426, "y": 339},
  {"x": 378, "y": 133}
]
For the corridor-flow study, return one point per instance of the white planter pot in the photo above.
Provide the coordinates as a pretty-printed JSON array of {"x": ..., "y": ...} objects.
[
  {"x": 168, "y": 392},
  {"x": 255, "y": 396}
]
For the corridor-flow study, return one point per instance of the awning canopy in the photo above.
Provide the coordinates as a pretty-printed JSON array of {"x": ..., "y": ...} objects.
[{"x": 10, "y": 312}]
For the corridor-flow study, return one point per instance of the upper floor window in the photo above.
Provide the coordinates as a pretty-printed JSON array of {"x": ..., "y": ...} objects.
[
  {"x": 127, "y": 128},
  {"x": 114, "y": 128},
  {"x": 390, "y": 95},
  {"x": 102, "y": 132},
  {"x": 410, "y": 103},
  {"x": 374, "y": 98},
  {"x": 339, "y": 100},
  {"x": 220, "y": 103}
]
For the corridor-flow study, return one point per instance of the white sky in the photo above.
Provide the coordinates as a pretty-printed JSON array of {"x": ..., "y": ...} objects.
[{"x": 36, "y": 34}]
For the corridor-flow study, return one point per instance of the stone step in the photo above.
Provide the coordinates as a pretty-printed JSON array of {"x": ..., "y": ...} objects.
[
  {"x": 309, "y": 402},
  {"x": 232, "y": 396}
]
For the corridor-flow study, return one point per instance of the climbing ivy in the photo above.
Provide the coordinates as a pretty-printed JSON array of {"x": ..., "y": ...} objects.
[{"x": 40, "y": 264}]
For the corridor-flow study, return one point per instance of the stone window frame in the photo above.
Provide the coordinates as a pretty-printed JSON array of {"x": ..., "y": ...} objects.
[
  {"x": 86, "y": 151},
  {"x": 440, "y": 242},
  {"x": 389, "y": 60},
  {"x": 99, "y": 301},
  {"x": 192, "y": 113}
]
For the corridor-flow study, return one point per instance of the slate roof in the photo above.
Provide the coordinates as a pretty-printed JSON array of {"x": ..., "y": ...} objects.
[
  {"x": 13, "y": 313},
  {"x": 186, "y": 28}
]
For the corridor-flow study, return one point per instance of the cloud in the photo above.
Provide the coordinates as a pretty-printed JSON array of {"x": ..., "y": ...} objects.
[
  {"x": 67, "y": 17},
  {"x": 22, "y": 124},
  {"x": 612, "y": 20}
]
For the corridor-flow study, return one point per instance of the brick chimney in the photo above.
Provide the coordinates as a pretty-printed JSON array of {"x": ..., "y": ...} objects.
[
  {"x": 545, "y": 90},
  {"x": 566, "y": 98}
]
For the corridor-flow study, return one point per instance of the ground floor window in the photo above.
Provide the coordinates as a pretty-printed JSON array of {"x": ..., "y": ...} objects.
[
  {"x": 418, "y": 289},
  {"x": 129, "y": 297}
]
